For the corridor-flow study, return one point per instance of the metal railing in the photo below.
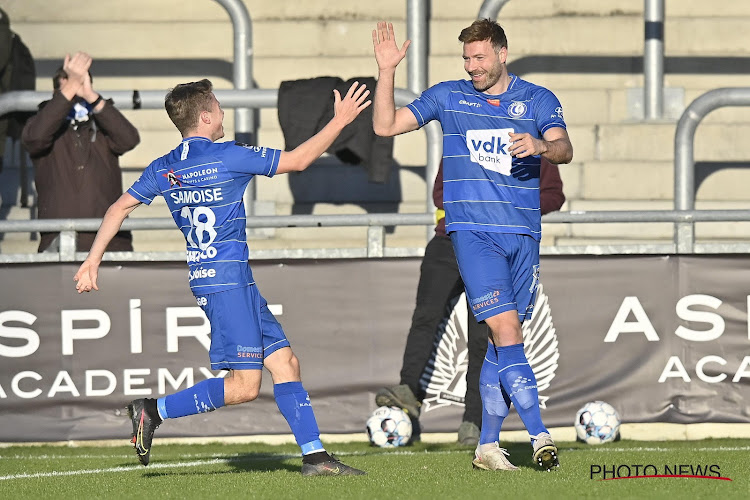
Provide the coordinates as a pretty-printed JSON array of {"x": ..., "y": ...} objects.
[
  {"x": 684, "y": 161},
  {"x": 27, "y": 100},
  {"x": 653, "y": 52},
  {"x": 375, "y": 245},
  {"x": 684, "y": 216}
]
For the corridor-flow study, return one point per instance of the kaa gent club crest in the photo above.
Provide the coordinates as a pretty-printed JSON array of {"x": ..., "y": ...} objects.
[{"x": 444, "y": 378}]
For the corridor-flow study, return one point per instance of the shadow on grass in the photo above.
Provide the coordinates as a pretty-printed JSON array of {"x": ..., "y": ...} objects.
[
  {"x": 520, "y": 453},
  {"x": 250, "y": 462}
]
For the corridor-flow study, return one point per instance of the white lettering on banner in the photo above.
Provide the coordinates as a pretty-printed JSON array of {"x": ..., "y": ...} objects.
[
  {"x": 641, "y": 324},
  {"x": 69, "y": 333},
  {"x": 63, "y": 383},
  {"x": 185, "y": 376},
  {"x": 111, "y": 380},
  {"x": 15, "y": 385},
  {"x": 136, "y": 335},
  {"x": 707, "y": 378},
  {"x": 175, "y": 331},
  {"x": 11, "y": 332},
  {"x": 743, "y": 371},
  {"x": 105, "y": 380},
  {"x": 132, "y": 377},
  {"x": 489, "y": 148},
  {"x": 676, "y": 369},
  {"x": 684, "y": 312}
]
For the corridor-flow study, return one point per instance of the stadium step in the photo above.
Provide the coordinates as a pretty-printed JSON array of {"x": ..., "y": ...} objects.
[{"x": 619, "y": 161}]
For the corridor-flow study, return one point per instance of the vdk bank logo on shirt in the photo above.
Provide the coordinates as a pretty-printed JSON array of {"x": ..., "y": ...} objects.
[{"x": 489, "y": 148}]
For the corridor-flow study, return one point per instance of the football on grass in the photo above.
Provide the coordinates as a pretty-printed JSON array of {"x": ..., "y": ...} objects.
[
  {"x": 597, "y": 423},
  {"x": 389, "y": 427}
]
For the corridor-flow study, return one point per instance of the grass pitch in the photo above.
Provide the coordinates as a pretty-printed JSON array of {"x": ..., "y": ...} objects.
[{"x": 424, "y": 471}]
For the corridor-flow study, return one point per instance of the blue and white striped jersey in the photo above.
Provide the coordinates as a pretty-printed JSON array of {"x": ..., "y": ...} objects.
[
  {"x": 203, "y": 183},
  {"x": 485, "y": 188}
]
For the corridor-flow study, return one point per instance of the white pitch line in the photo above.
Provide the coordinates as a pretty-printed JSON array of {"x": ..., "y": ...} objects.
[
  {"x": 111, "y": 469},
  {"x": 196, "y": 463},
  {"x": 266, "y": 456},
  {"x": 608, "y": 449}
]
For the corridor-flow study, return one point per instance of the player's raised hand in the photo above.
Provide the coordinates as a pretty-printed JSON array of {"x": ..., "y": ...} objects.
[
  {"x": 387, "y": 53},
  {"x": 86, "y": 277},
  {"x": 352, "y": 104}
]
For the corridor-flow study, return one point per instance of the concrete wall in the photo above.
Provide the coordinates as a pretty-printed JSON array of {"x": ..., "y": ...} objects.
[{"x": 620, "y": 161}]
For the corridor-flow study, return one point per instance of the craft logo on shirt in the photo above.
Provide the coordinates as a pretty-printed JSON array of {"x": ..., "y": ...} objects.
[
  {"x": 489, "y": 148},
  {"x": 174, "y": 179},
  {"x": 472, "y": 104},
  {"x": 517, "y": 109}
]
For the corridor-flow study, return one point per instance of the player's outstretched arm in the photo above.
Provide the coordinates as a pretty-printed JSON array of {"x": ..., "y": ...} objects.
[
  {"x": 387, "y": 121},
  {"x": 89, "y": 271},
  {"x": 345, "y": 110}
]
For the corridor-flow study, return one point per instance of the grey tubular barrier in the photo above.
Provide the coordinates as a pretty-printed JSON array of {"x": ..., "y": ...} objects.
[
  {"x": 490, "y": 9},
  {"x": 653, "y": 59},
  {"x": 417, "y": 30},
  {"x": 245, "y": 129},
  {"x": 252, "y": 98},
  {"x": 242, "y": 68},
  {"x": 684, "y": 162},
  {"x": 376, "y": 224},
  {"x": 26, "y": 100}
]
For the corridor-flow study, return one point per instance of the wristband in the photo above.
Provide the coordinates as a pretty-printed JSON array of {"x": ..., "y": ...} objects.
[{"x": 96, "y": 102}]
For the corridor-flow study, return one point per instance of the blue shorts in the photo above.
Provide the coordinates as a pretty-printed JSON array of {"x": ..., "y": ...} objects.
[
  {"x": 500, "y": 271},
  {"x": 243, "y": 330}
]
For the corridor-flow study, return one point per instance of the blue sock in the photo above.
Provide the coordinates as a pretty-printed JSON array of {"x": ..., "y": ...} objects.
[
  {"x": 294, "y": 404},
  {"x": 519, "y": 382},
  {"x": 495, "y": 402},
  {"x": 204, "y": 396}
]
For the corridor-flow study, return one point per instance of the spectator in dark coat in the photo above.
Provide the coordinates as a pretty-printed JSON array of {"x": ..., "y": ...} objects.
[{"x": 75, "y": 141}]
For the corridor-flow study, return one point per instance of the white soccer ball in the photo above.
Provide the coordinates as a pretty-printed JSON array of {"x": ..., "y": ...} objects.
[
  {"x": 389, "y": 427},
  {"x": 597, "y": 422}
]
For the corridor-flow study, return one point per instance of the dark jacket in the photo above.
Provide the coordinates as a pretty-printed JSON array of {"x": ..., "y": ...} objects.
[
  {"x": 77, "y": 172},
  {"x": 306, "y": 106},
  {"x": 551, "y": 196}
]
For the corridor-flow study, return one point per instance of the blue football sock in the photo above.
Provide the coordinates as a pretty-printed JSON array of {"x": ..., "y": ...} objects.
[
  {"x": 204, "y": 396},
  {"x": 294, "y": 404},
  {"x": 495, "y": 402},
  {"x": 519, "y": 382}
]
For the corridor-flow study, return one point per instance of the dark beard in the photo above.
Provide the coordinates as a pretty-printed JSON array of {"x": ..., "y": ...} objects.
[{"x": 490, "y": 83}]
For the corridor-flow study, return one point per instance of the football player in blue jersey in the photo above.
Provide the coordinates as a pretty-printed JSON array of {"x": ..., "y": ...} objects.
[
  {"x": 203, "y": 182},
  {"x": 496, "y": 127}
]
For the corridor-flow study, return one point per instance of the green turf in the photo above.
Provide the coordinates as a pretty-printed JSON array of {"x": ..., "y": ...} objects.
[{"x": 429, "y": 471}]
